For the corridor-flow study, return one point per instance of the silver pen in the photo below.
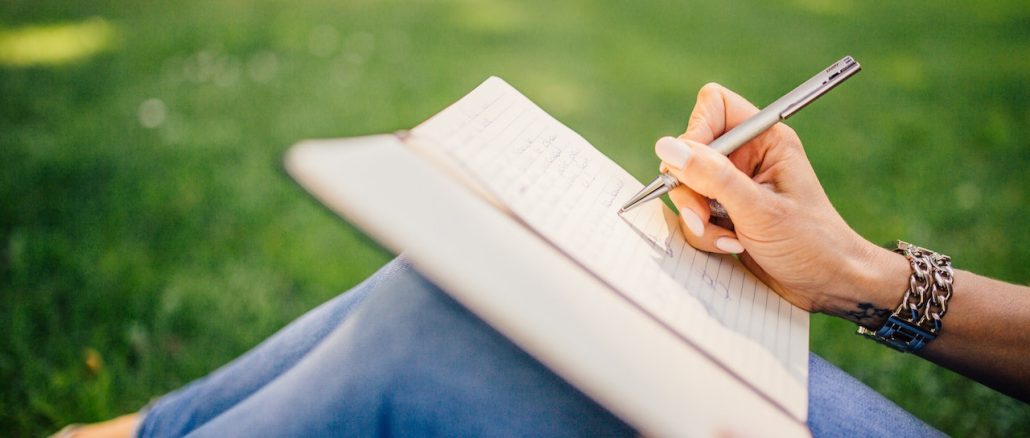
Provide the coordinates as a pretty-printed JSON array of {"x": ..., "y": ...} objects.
[{"x": 777, "y": 111}]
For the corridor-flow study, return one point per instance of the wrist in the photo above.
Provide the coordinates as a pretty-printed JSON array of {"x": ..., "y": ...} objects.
[{"x": 874, "y": 280}]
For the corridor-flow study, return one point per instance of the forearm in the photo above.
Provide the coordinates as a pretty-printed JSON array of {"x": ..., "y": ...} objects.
[{"x": 985, "y": 333}]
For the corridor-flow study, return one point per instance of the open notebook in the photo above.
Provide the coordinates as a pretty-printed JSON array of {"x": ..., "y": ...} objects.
[{"x": 552, "y": 265}]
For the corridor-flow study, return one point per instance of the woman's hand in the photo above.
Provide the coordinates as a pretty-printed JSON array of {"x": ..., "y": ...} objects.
[
  {"x": 783, "y": 225},
  {"x": 788, "y": 234}
]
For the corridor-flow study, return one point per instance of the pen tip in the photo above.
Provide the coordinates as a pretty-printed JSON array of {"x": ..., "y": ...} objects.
[{"x": 622, "y": 210}]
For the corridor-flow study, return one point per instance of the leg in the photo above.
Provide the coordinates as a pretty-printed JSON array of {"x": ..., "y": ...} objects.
[
  {"x": 412, "y": 361},
  {"x": 181, "y": 411},
  {"x": 840, "y": 405}
]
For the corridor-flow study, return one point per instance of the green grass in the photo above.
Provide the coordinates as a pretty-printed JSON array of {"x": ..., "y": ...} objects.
[{"x": 169, "y": 250}]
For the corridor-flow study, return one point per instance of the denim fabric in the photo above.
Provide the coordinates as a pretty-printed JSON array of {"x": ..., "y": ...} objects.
[
  {"x": 840, "y": 405},
  {"x": 395, "y": 355}
]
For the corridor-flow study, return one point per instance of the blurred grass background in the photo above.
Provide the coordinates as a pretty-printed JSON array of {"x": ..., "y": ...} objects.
[{"x": 148, "y": 233}]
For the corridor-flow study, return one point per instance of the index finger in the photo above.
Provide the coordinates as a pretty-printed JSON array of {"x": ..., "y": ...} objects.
[{"x": 717, "y": 110}]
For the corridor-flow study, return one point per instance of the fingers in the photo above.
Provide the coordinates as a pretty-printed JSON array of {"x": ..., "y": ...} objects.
[
  {"x": 716, "y": 111},
  {"x": 698, "y": 231},
  {"x": 706, "y": 173},
  {"x": 709, "y": 173},
  {"x": 693, "y": 208}
]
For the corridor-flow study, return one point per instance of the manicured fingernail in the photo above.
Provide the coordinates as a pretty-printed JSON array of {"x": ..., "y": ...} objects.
[
  {"x": 673, "y": 151},
  {"x": 693, "y": 221},
  {"x": 729, "y": 245}
]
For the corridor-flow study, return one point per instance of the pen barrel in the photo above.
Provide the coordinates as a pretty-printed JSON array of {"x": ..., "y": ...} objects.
[{"x": 745, "y": 131}]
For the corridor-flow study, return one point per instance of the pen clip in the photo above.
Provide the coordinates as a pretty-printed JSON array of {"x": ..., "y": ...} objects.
[{"x": 824, "y": 81}]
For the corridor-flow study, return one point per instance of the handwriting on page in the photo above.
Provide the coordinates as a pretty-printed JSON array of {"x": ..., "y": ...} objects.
[{"x": 568, "y": 192}]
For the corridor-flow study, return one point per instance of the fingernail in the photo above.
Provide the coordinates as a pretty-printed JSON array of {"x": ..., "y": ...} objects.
[
  {"x": 693, "y": 221},
  {"x": 729, "y": 245},
  {"x": 673, "y": 151}
]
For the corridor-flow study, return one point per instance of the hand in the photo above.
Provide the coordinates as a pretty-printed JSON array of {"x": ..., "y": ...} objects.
[
  {"x": 788, "y": 234},
  {"x": 783, "y": 225}
]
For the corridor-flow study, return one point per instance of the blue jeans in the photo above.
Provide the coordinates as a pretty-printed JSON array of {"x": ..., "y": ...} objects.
[{"x": 396, "y": 355}]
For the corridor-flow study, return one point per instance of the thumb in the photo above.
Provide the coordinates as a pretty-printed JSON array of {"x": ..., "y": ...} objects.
[{"x": 709, "y": 173}]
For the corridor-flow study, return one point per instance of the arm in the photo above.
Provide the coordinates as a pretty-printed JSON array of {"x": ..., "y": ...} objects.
[
  {"x": 787, "y": 232},
  {"x": 986, "y": 334}
]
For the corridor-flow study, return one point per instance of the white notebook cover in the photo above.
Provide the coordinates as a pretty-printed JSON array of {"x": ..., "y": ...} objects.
[{"x": 533, "y": 293}]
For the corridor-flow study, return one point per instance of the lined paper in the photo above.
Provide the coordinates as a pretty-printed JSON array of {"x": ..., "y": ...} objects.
[{"x": 559, "y": 185}]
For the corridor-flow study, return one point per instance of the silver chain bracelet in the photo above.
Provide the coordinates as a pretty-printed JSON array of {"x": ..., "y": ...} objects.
[{"x": 917, "y": 319}]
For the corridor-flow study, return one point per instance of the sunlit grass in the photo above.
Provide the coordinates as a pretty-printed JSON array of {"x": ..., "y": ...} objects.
[{"x": 54, "y": 44}]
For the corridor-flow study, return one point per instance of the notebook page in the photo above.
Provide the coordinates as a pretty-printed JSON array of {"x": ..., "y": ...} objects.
[{"x": 563, "y": 188}]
